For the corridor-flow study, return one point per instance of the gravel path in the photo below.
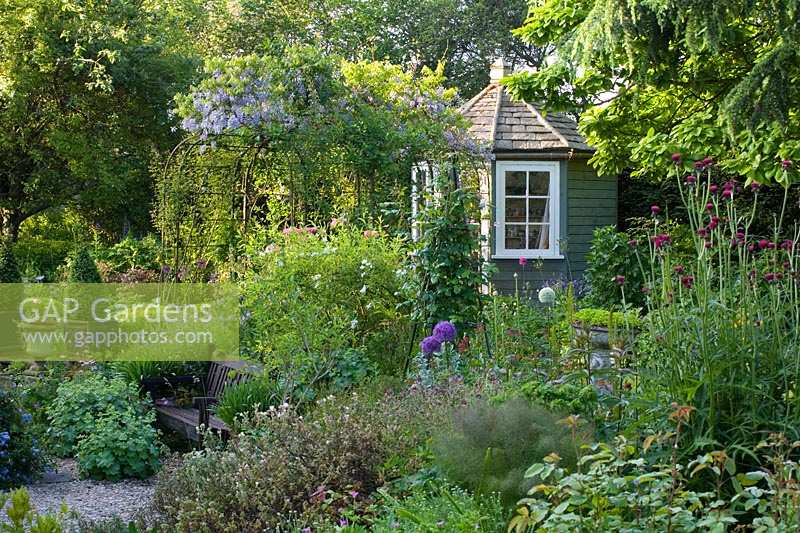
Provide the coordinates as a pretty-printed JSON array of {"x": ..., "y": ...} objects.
[{"x": 92, "y": 500}]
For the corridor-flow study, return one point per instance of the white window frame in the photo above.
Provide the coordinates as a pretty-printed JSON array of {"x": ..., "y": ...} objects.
[{"x": 554, "y": 214}]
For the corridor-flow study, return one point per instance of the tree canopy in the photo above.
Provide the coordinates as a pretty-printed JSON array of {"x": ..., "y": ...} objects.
[
  {"x": 84, "y": 92},
  {"x": 650, "y": 78}
]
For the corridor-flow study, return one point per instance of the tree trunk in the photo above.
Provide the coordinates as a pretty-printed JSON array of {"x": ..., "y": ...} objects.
[{"x": 10, "y": 221}]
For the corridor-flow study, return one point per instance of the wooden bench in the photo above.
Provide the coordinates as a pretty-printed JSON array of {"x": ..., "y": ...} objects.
[{"x": 186, "y": 420}]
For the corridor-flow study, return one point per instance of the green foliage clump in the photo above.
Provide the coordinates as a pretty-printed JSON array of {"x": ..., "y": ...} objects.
[
  {"x": 121, "y": 444},
  {"x": 9, "y": 270},
  {"x": 81, "y": 268},
  {"x": 42, "y": 257},
  {"x": 591, "y": 316},
  {"x": 79, "y": 403},
  {"x": 23, "y": 518},
  {"x": 447, "y": 263},
  {"x": 612, "y": 255},
  {"x": 246, "y": 398},
  {"x": 20, "y": 454},
  {"x": 431, "y": 506},
  {"x": 310, "y": 298},
  {"x": 565, "y": 397},
  {"x": 489, "y": 447},
  {"x": 608, "y": 492},
  {"x": 290, "y": 470},
  {"x": 130, "y": 254}
]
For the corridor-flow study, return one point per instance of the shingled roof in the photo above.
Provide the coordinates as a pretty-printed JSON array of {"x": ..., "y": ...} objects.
[{"x": 512, "y": 126}]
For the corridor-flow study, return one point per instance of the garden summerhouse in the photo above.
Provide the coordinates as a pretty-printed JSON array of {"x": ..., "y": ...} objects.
[{"x": 542, "y": 200}]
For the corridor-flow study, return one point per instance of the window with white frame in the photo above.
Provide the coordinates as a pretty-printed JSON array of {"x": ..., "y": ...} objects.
[{"x": 527, "y": 218}]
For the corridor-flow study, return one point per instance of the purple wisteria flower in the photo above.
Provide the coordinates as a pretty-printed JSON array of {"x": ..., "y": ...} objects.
[
  {"x": 445, "y": 331},
  {"x": 430, "y": 345}
]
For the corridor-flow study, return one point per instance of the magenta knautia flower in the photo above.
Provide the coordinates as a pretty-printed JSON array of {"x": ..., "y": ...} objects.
[
  {"x": 632, "y": 243},
  {"x": 754, "y": 186},
  {"x": 691, "y": 179},
  {"x": 620, "y": 279},
  {"x": 679, "y": 269},
  {"x": 788, "y": 244},
  {"x": 763, "y": 243},
  {"x": 654, "y": 210},
  {"x": 687, "y": 281},
  {"x": 430, "y": 345},
  {"x": 709, "y": 206},
  {"x": 523, "y": 261},
  {"x": 676, "y": 157},
  {"x": 444, "y": 331},
  {"x": 713, "y": 188},
  {"x": 786, "y": 163}
]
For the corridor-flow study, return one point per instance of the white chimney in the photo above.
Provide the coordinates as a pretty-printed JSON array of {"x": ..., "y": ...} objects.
[{"x": 499, "y": 70}]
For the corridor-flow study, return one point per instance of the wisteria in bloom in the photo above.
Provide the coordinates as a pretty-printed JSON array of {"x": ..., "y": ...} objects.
[{"x": 246, "y": 99}]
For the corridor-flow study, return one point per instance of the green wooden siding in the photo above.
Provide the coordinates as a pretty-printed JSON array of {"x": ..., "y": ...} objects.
[{"x": 587, "y": 201}]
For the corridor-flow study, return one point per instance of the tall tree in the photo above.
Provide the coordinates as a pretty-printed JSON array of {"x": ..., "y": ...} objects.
[
  {"x": 650, "y": 78},
  {"x": 85, "y": 88},
  {"x": 466, "y": 34}
]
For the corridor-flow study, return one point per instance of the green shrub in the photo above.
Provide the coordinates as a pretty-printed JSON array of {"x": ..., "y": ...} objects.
[
  {"x": 23, "y": 518},
  {"x": 564, "y": 398},
  {"x": 81, "y": 268},
  {"x": 489, "y": 447},
  {"x": 247, "y": 397},
  {"x": 288, "y": 469},
  {"x": 131, "y": 254},
  {"x": 618, "y": 489},
  {"x": 9, "y": 271},
  {"x": 311, "y": 296},
  {"x": 121, "y": 444},
  {"x": 612, "y": 255},
  {"x": 79, "y": 403},
  {"x": 20, "y": 455},
  {"x": 42, "y": 257},
  {"x": 433, "y": 507}
]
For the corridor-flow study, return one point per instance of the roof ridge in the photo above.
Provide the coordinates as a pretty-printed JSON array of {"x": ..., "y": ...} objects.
[
  {"x": 547, "y": 124},
  {"x": 497, "y": 105},
  {"x": 471, "y": 102}
]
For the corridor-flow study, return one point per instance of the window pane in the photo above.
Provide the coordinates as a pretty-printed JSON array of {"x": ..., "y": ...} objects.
[
  {"x": 538, "y": 210},
  {"x": 515, "y": 236},
  {"x": 515, "y": 210},
  {"x": 539, "y": 237},
  {"x": 539, "y": 183},
  {"x": 515, "y": 183}
]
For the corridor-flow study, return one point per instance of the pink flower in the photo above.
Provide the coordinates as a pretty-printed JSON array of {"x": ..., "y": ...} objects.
[
  {"x": 713, "y": 189},
  {"x": 370, "y": 233},
  {"x": 661, "y": 240},
  {"x": 679, "y": 269},
  {"x": 619, "y": 279},
  {"x": 771, "y": 245},
  {"x": 754, "y": 186},
  {"x": 654, "y": 209},
  {"x": 708, "y": 244},
  {"x": 676, "y": 158},
  {"x": 523, "y": 261},
  {"x": 687, "y": 281},
  {"x": 712, "y": 225},
  {"x": 709, "y": 206},
  {"x": 788, "y": 244},
  {"x": 739, "y": 235},
  {"x": 751, "y": 247},
  {"x": 702, "y": 232},
  {"x": 786, "y": 163},
  {"x": 691, "y": 179},
  {"x": 769, "y": 277},
  {"x": 632, "y": 243},
  {"x": 763, "y": 243}
]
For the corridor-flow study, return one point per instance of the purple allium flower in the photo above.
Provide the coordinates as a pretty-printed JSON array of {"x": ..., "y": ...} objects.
[
  {"x": 444, "y": 331},
  {"x": 430, "y": 345},
  {"x": 166, "y": 269}
]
